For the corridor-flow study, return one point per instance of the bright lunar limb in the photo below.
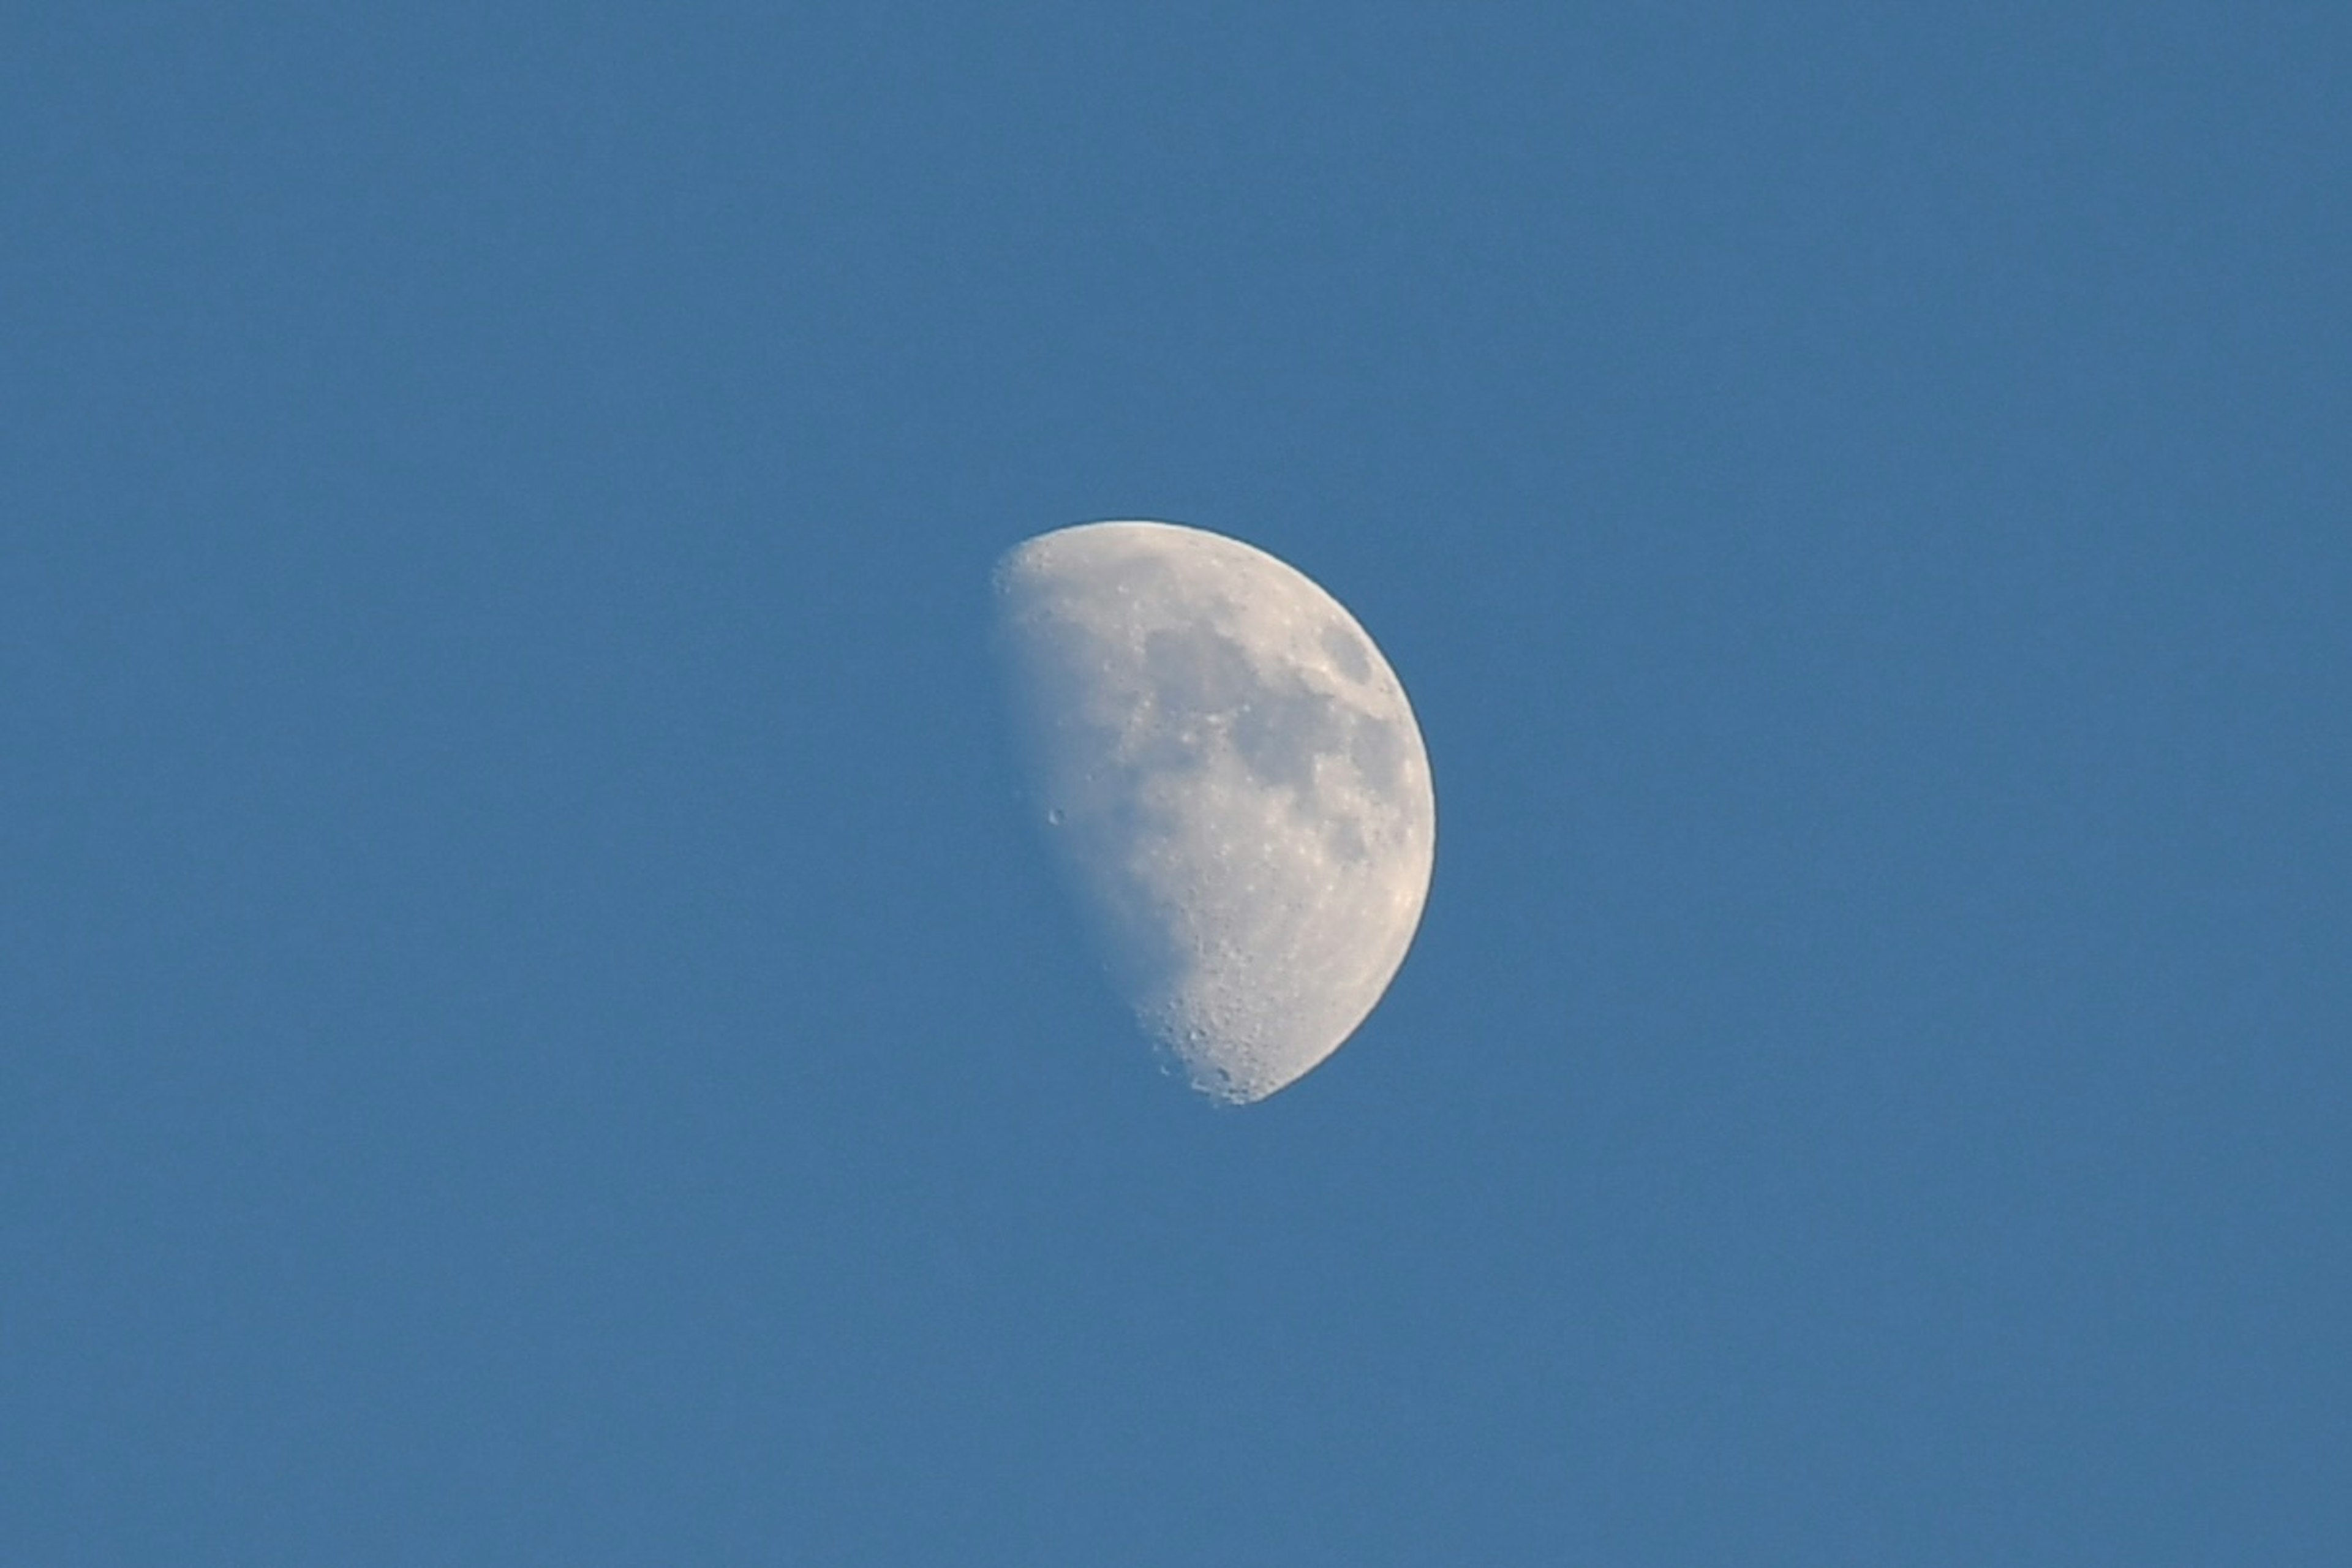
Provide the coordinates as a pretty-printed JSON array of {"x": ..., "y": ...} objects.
[{"x": 1231, "y": 775}]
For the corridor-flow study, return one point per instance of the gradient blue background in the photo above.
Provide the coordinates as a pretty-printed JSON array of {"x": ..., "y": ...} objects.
[{"x": 534, "y": 1030}]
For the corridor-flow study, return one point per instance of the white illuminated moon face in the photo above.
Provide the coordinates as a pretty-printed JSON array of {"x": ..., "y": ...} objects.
[{"x": 1230, "y": 773}]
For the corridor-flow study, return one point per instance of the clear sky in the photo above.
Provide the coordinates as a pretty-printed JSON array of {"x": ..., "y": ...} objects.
[{"x": 531, "y": 1030}]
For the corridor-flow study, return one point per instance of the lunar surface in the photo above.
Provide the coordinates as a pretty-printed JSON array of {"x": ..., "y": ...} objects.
[{"x": 1231, "y": 776}]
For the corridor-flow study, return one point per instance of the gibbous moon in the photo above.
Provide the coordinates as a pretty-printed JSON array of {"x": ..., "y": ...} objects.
[{"x": 1230, "y": 775}]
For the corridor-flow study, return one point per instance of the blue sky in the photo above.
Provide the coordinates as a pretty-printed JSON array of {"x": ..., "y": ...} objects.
[{"x": 533, "y": 1032}]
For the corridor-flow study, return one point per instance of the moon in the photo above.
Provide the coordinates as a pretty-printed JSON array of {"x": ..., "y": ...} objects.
[{"x": 1235, "y": 785}]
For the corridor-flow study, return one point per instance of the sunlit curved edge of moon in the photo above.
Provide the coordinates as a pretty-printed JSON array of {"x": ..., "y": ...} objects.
[{"x": 1232, "y": 783}]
